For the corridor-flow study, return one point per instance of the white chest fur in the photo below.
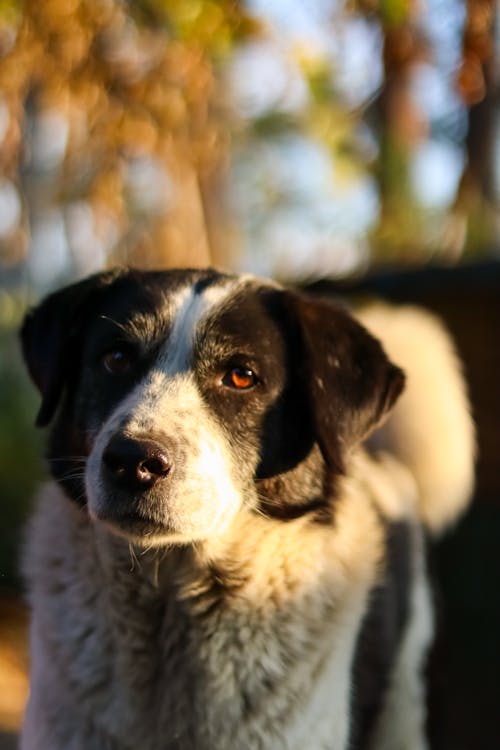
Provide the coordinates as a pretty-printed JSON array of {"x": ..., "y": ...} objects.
[{"x": 158, "y": 652}]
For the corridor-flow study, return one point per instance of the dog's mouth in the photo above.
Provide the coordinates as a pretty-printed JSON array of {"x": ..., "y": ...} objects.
[
  {"x": 129, "y": 487},
  {"x": 138, "y": 516},
  {"x": 158, "y": 518},
  {"x": 142, "y": 531},
  {"x": 136, "y": 522}
]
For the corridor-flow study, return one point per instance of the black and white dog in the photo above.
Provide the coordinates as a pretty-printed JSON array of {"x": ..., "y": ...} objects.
[{"x": 224, "y": 561}]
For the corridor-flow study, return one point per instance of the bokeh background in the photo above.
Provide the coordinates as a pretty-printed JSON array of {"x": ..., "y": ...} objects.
[{"x": 349, "y": 146}]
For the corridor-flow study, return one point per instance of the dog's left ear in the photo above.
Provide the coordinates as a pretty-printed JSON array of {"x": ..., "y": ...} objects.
[
  {"x": 46, "y": 335},
  {"x": 351, "y": 382}
]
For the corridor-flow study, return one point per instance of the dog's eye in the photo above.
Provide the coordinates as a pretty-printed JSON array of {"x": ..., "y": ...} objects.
[
  {"x": 241, "y": 378},
  {"x": 118, "y": 361}
]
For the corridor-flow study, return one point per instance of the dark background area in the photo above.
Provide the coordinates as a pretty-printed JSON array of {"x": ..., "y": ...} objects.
[{"x": 464, "y": 670}]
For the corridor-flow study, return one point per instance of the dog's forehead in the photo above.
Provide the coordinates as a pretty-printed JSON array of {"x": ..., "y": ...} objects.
[
  {"x": 181, "y": 307},
  {"x": 193, "y": 302},
  {"x": 233, "y": 312},
  {"x": 189, "y": 308},
  {"x": 139, "y": 298}
]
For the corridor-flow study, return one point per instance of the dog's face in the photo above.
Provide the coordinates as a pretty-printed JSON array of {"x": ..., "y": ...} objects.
[{"x": 182, "y": 396}]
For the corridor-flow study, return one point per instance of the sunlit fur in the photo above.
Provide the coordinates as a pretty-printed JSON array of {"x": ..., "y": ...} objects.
[
  {"x": 238, "y": 629},
  {"x": 290, "y": 619},
  {"x": 430, "y": 430},
  {"x": 204, "y": 502}
]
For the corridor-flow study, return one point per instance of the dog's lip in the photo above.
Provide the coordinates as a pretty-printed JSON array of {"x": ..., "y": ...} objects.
[
  {"x": 132, "y": 525},
  {"x": 129, "y": 520},
  {"x": 142, "y": 532}
]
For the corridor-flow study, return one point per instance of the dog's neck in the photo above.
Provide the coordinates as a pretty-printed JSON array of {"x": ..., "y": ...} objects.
[{"x": 245, "y": 619}]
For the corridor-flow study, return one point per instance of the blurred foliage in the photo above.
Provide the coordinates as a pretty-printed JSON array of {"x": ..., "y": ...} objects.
[
  {"x": 471, "y": 223},
  {"x": 437, "y": 94},
  {"x": 117, "y": 125},
  {"x": 20, "y": 447},
  {"x": 121, "y": 85},
  {"x": 145, "y": 131}
]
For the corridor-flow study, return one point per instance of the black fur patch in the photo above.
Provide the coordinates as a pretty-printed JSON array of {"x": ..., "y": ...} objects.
[{"x": 381, "y": 635}]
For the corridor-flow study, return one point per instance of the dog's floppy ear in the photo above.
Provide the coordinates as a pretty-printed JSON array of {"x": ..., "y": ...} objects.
[
  {"x": 46, "y": 334},
  {"x": 351, "y": 382}
]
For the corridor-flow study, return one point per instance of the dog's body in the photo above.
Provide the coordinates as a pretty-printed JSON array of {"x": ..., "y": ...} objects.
[{"x": 237, "y": 569}]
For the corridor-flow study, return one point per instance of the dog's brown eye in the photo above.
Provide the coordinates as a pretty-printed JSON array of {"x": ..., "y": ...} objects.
[
  {"x": 117, "y": 361},
  {"x": 241, "y": 378}
]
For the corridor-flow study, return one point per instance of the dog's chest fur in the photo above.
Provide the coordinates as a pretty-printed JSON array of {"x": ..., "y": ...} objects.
[{"x": 170, "y": 650}]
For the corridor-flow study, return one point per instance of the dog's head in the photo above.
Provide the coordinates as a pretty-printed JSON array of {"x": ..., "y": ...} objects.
[{"x": 177, "y": 396}]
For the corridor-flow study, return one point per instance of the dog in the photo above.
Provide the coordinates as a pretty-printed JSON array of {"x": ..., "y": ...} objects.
[{"x": 232, "y": 552}]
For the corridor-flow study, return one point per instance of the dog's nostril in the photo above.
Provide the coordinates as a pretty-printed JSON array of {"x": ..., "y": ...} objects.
[
  {"x": 154, "y": 466},
  {"x": 114, "y": 462},
  {"x": 136, "y": 462}
]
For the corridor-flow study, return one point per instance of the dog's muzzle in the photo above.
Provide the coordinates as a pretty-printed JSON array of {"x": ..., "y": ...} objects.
[
  {"x": 157, "y": 488},
  {"x": 135, "y": 482}
]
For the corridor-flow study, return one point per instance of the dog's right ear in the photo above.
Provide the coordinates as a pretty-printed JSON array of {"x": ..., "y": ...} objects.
[
  {"x": 46, "y": 334},
  {"x": 351, "y": 383}
]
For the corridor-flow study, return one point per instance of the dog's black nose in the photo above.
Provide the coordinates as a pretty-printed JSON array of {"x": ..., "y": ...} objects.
[{"x": 136, "y": 463}]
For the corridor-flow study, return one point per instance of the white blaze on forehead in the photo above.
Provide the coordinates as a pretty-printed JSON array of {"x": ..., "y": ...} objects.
[{"x": 189, "y": 308}]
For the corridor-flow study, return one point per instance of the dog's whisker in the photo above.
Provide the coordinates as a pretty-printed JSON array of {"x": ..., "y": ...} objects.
[
  {"x": 73, "y": 459},
  {"x": 80, "y": 498},
  {"x": 133, "y": 557},
  {"x": 120, "y": 326},
  {"x": 262, "y": 498},
  {"x": 73, "y": 475},
  {"x": 147, "y": 549},
  {"x": 156, "y": 567}
]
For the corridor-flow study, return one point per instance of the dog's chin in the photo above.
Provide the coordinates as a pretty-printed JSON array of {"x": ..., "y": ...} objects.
[
  {"x": 140, "y": 531},
  {"x": 151, "y": 524},
  {"x": 147, "y": 537}
]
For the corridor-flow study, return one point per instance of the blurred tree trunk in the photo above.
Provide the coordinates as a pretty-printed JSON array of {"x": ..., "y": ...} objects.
[
  {"x": 475, "y": 210},
  {"x": 400, "y": 126},
  {"x": 180, "y": 237}
]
